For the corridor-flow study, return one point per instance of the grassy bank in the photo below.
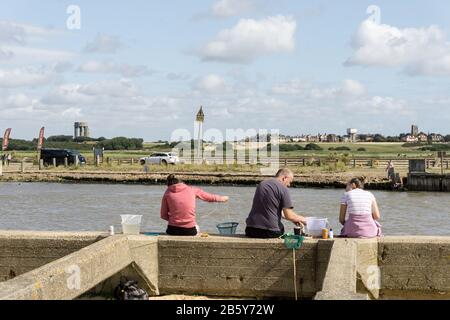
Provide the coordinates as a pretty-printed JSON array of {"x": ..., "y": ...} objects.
[{"x": 357, "y": 150}]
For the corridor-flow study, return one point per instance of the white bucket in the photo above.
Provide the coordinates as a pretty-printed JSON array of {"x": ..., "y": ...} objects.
[
  {"x": 314, "y": 226},
  {"x": 131, "y": 224}
]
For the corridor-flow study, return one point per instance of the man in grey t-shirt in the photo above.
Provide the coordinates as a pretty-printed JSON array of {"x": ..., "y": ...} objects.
[{"x": 272, "y": 202}]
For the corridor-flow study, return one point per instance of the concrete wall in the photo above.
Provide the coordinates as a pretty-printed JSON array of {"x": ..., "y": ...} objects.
[
  {"x": 238, "y": 267},
  {"x": 79, "y": 272},
  {"x": 22, "y": 251},
  {"x": 415, "y": 267},
  {"x": 408, "y": 267}
]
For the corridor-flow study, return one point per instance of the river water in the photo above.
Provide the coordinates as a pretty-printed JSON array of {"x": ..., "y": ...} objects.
[{"x": 94, "y": 207}]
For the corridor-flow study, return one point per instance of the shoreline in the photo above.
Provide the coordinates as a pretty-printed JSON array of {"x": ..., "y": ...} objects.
[{"x": 316, "y": 180}]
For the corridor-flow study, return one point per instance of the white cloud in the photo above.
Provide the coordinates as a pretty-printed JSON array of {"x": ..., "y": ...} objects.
[
  {"x": 123, "y": 93},
  {"x": 292, "y": 87},
  {"x": 229, "y": 8},
  {"x": 250, "y": 39},
  {"x": 378, "y": 105},
  {"x": 211, "y": 83},
  {"x": 72, "y": 113},
  {"x": 178, "y": 76},
  {"x": 18, "y": 44},
  {"x": 20, "y": 33},
  {"x": 420, "y": 51},
  {"x": 18, "y": 101},
  {"x": 347, "y": 89},
  {"x": 104, "y": 44},
  {"x": 124, "y": 69},
  {"x": 23, "y": 77},
  {"x": 352, "y": 88},
  {"x": 22, "y": 55}
]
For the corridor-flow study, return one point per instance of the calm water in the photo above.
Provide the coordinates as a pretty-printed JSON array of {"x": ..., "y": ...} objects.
[{"x": 88, "y": 207}]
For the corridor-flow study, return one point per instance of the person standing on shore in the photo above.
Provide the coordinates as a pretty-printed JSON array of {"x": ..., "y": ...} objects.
[
  {"x": 272, "y": 202},
  {"x": 178, "y": 206},
  {"x": 359, "y": 213},
  {"x": 390, "y": 171}
]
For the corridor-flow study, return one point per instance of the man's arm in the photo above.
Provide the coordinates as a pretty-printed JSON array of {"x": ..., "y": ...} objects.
[
  {"x": 290, "y": 215},
  {"x": 342, "y": 213}
]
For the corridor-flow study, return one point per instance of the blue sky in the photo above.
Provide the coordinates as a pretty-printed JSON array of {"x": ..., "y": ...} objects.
[{"x": 143, "y": 68}]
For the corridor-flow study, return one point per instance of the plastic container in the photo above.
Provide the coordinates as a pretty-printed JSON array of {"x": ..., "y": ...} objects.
[
  {"x": 331, "y": 234},
  {"x": 315, "y": 226},
  {"x": 131, "y": 224},
  {"x": 325, "y": 234},
  {"x": 227, "y": 228}
]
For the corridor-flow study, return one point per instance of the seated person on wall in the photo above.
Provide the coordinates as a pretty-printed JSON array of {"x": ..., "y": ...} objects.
[
  {"x": 272, "y": 202},
  {"x": 359, "y": 212},
  {"x": 178, "y": 206}
]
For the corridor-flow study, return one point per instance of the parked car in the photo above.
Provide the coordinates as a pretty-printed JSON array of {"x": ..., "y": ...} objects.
[
  {"x": 47, "y": 155},
  {"x": 163, "y": 158}
]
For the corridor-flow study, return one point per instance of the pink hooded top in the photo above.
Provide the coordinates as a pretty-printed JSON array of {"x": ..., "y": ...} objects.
[{"x": 178, "y": 204}]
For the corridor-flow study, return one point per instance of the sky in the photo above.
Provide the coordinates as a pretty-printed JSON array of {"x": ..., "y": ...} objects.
[{"x": 143, "y": 68}]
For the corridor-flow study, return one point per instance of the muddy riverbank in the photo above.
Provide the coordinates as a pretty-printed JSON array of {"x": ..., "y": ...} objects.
[{"x": 316, "y": 180}]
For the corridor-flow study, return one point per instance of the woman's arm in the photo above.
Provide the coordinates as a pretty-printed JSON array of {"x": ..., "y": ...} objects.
[
  {"x": 164, "y": 209},
  {"x": 209, "y": 197},
  {"x": 342, "y": 213},
  {"x": 375, "y": 211}
]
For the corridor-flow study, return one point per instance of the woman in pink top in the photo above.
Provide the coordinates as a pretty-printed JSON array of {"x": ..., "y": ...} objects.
[
  {"x": 178, "y": 206},
  {"x": 359, "y": 212}
]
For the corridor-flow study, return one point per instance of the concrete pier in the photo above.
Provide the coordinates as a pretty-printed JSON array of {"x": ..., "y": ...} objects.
[{"x": 75, "y": 265}]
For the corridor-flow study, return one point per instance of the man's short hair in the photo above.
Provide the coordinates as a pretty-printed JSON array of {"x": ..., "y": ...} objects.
[{"x": 284, "y": 172}]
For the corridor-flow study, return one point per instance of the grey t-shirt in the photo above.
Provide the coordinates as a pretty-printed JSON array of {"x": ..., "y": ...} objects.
[{"x": 271, "y": 197}]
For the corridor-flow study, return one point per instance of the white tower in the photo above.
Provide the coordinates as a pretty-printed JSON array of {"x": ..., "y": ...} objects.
[
  {"x": 352, "y": 134},
  {"x": 199, "y": 121}
]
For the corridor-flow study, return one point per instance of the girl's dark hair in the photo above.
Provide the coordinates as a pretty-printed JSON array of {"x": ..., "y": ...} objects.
[
  {"x": 171, "y": 179},
  {"x": 358, "y": 183}
]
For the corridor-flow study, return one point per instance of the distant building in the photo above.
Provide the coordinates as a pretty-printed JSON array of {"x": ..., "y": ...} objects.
[
  {"x": 310, "y": 138},
  {"x": 422, "y": 137},
  {"x": 410, "y": 138},
  {"x": 414, "y": 130},
  {"x": 332, "y": 138},
  {"x": 299, "y": 139},
  {"x": 81, "y": 129},
  {"x": 436, "y": 137},
  {"x": 322, "y": 137},
  {"x": 352, "y": 134}
]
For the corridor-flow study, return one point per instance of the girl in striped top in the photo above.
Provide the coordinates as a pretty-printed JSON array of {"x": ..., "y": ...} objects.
[{"x": 359, "y": 212}]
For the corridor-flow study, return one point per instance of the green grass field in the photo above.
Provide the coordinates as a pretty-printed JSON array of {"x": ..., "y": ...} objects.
[{"x": 373, "y": 150}]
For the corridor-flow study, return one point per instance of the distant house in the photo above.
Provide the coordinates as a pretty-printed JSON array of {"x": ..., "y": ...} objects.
[
  {"x": 422, "y": 137},
  {"x": 322, "y": 137},
  {"x": 410, "y": 138},
  {"x": 310, "y": 138},
  {"x": 283, "y": 139},
  {"x": 436, "y": 137},
  {"x": 332, "y": 138},
  {"x": 299, "y": 139}
]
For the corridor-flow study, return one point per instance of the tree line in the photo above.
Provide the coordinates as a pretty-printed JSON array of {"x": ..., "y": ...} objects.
[{"x": 82, "y": 143}]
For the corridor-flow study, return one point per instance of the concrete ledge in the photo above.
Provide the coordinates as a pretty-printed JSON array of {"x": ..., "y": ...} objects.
[
  {"x": 409, "y": 267},
  {"x": 24, "y": 251}
]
